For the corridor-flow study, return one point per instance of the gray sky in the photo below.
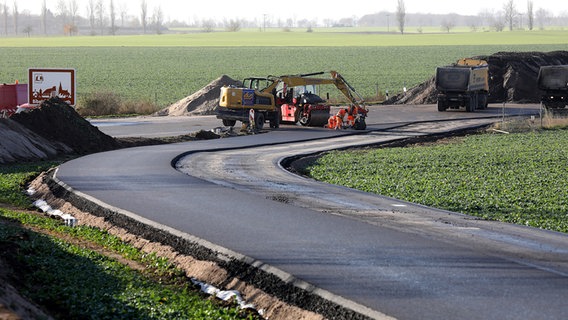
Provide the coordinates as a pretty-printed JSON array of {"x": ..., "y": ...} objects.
[{"x": 298, "y": 9}]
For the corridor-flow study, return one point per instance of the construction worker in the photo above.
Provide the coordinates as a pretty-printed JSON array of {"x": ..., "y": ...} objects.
[
  {"x": 332, "y": 122},
  {"x": 339, "y": 118},
  {"x": 336, "y": 122}
]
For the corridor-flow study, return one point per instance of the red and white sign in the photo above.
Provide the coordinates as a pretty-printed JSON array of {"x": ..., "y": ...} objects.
[{"x": 48, "y": 83}]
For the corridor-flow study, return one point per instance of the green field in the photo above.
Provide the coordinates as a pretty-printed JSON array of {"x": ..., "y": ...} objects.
[
  {"x": 518, "y": 178},
  {"x": 165, "y": 68}
]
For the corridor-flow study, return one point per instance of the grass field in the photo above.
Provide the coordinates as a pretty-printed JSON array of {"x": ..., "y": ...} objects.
[
  {"x": 518, "y": 178},
  {"x": 162, "y": 69}
]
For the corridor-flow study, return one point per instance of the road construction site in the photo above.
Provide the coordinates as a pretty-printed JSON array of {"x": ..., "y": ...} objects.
[
  {"x": 292, "y": 246},
  {"x": 320, "y": 250}
]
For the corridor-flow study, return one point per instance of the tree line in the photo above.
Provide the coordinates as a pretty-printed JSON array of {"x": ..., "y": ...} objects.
[
  {"x": 111, "y": 17},
  {"x": 510, "y": 17}
]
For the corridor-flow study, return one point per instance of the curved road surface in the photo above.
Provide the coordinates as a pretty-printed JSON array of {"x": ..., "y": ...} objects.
[{"x": 375, "y": 255}]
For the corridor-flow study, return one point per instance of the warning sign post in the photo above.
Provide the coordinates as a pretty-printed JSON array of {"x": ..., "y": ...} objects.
[{"x": 48, "y": 83}]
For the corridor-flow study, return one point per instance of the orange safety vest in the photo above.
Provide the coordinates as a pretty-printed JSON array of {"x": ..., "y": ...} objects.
[{"x": 332, "y": 122}]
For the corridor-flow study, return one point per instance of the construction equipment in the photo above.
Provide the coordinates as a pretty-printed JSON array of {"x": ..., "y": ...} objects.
[
  {"x": 553, "y": 81},
  {"x": 463, "y": 84},
  {"x": 287, "y": 99}
]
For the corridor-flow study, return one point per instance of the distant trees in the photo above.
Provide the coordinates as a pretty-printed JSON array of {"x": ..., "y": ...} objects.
[
  {"x": 401, "y": 15},
  {"x": 4, "y": 9},
  {"x": 530, "y": 14},
  {"x": 144, "y": 14},
  {"x": 113, "y": 26},
  {"x": 448, "y": 24},
  {"x": 15, "y": 16},
  {"x": 91, "y": 13},
  {"x": 510, "y": 13},
  {"x": 44, "y": 16},
  {"x": 233, "y": 25},
  {"x": 542, "y": 16},
  {"x": 100, "y": 14},
  {"x": 158, "y": 19},
  {"x": 102, "y": 17}
]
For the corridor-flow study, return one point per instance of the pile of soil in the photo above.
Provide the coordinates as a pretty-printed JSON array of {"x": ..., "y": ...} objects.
[
  {"x": 57, "y": 121},
  {"x": 513, "y": 78},
  {"x": 55, "y": 130},
  {"x": 202, "y": 102}
]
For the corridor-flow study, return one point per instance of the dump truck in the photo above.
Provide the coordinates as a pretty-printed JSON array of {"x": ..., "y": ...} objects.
[
  {"x": 463, "y": 84},
  {"x": 284, "y": 99},
  {"x": 553, "y": 82}
]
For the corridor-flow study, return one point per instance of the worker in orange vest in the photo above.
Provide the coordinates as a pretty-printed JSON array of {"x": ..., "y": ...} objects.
[
  {"x": 336, "y": 121},
  {"x": 340, "y": 118}
]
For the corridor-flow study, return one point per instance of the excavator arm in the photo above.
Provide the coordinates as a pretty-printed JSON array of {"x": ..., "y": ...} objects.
[{"x": 307, "y": 79}]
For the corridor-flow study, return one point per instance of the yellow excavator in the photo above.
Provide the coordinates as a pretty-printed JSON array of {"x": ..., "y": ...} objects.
[{"x": 286, "y": 99}]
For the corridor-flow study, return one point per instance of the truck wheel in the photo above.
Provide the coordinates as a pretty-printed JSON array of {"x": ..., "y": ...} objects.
[
  {"x": 259, "y": 120},
  {"x": 441, "y": 106},
  {"x": 470, "y": 104},
  {"x": 360, "y": 124},
  {"x": 275, "y": 122},
  {"x": 483, "y": 101},
  {"x": 229, "y": 123}
]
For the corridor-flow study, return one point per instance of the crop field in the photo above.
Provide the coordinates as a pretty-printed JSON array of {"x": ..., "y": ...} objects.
[
  {"x": 164, "y": 69},
  {"x": 518, "y": 178}
]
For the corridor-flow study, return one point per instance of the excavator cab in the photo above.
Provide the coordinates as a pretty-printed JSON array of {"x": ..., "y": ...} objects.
[{"x": 258, "y": 84}]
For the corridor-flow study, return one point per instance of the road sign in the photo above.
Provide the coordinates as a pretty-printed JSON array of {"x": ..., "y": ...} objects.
[{"x": 48, "y": 83}]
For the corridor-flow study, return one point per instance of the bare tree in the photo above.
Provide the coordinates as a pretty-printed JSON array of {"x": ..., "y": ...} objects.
[
  {"x": 144, "y": 14},
  {"x": 401, "y": 15},
  {"x": 498, "y": 23},
  {"x": 62, "y": 11},
  {"x": 5, "y": 16},
  {"x": 100, "y": 9},
  {"x": 510, "y": 13},
  {"x": 541, "y": 17},
  {"x": 208, "y": 25},
  {"x": 123, "y": 13},
  {"x": 112, "y": 18},
  {"x": 448, "y": 24},
  {"x": 28, "y": 30},
  {"x": 233, "y": 25},
  {"x": 73, "y": 7},
  {"x": 158, "y": 19},
  {"x": 44, "y": 16},
  {"x": 530, "y": 14},
  {"x": 16, "y": 13},
  {"x": 91, "y": 11}
]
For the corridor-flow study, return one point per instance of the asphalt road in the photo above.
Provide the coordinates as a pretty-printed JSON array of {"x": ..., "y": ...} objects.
[{"x": 387, "y": 257}]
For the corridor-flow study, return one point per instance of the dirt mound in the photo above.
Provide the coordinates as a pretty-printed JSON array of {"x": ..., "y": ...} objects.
[
  {"x": 53, "y": 129},
  {"x": 202, "y": 102},
  {"x": 56, "y": 121},
  {"x": 512, "y": 78}
]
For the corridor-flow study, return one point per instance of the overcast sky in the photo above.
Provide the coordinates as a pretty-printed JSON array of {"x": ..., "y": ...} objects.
[{"x": 185, "y": 10}]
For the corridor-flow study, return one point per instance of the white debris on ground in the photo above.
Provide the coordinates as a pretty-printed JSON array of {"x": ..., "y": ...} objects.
[
  {"x": 54, "y": 213},
  {"x": 225, "y": 295}
]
